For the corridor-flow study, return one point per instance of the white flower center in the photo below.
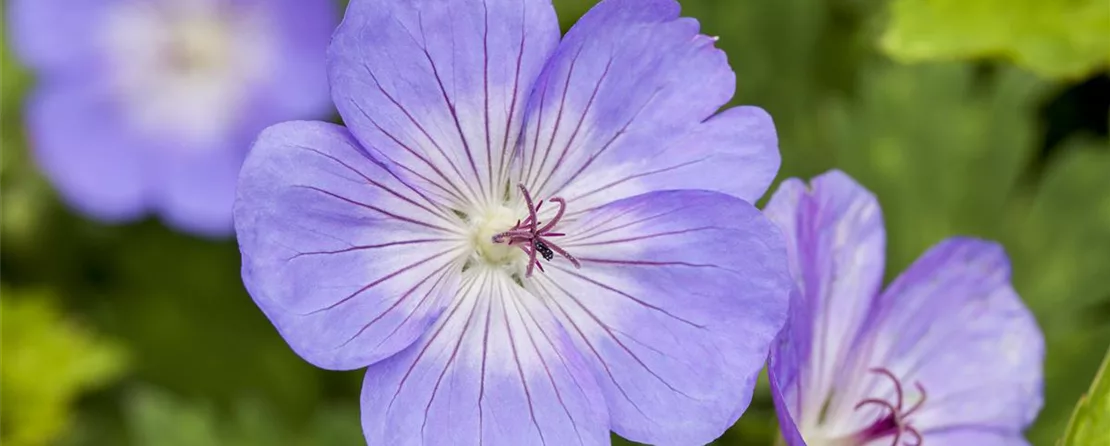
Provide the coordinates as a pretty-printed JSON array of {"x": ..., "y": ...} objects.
[
  {"x": 488, "y": 223},
  {"x": 181, "y": 69}
]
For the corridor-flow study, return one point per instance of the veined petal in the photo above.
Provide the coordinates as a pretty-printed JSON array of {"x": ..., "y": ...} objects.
[
  {"x": 495, "y": 370},
  {"x": 973, "y": 436},
  {"x": 624, "y": 107},
  {"x": 953, "y": 323},
  {"x": 836, "y": 241},
  {"x": 788, "y": 355},
  {"x": 438, "y": 87},
  {"x": 349, "y": 264},
  {"x": 675, "y": 305},
  {"x": 81, "y": 144}
]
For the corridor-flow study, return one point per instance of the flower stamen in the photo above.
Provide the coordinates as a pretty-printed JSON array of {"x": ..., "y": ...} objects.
[
  {"x": 896, "y": 422},
  {"x": 534, "y": 239}
]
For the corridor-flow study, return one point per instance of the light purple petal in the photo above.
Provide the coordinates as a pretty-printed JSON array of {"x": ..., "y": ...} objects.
[
  {"x": 349, "y": 264},
  {"x": 973, "y": 437},
  {"x": 79, "y": 143},
  {"x": 298, "y": 86},
  {"x": 195, "y": 187},
  {"x": 676, "y": 303},
  {"x": 57, "y": 34},
  {"x": 836, "y": 241},
  {"x": 438, "y": 87},
  {"x": 495, "y": 370},
  {"x": 788, "y": 355},
  {"x": 625, "y": 107},
  {"x": 953, "y": 323}
]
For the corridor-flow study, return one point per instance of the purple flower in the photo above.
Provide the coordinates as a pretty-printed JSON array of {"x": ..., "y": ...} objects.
[
  {"x": 946, "y": 355},
  {"x": 151, "y": 105},
  {"x": 528, "y": 240}
]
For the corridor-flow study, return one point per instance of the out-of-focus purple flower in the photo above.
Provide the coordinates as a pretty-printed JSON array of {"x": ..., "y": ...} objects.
[
  {"x": 946, "y": 355},
  {"x": 529, "y": 240},
  {"x": 151, "y": 105}
]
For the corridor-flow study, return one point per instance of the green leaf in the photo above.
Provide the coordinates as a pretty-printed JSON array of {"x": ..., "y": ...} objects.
[
  {"x": 1059, "y": 241},
  {"x": 1059, "y": 39},
  {"x": 48, "y": 362},
  {"x": 1090, "y": 423},
  {"x": 157, "y": 417},
  {"x": 941, "y": 145}
]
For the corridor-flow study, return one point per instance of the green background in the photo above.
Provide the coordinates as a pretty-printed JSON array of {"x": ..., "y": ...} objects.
[{"x": 969, "y": 117}]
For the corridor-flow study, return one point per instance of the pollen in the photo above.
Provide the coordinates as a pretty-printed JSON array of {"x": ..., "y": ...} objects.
[{"x": 488, "y": 224}]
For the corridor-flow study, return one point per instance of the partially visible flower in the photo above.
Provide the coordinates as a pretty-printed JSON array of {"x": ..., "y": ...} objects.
[
  {"x": 151, "y": 105},
  {"x": 946, "y": 355},
  {"x": 528, "y": 241}
]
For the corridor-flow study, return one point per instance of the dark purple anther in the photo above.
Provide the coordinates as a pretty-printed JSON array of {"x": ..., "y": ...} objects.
[
  {"x": 532, "y": 238},
  {"x": 896, "y": 422}
]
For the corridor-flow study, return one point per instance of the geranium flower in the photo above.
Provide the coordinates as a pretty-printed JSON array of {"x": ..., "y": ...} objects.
[
  {"x": 150, "y": 105},
  {"x": 946, "y": 355},
  {"x": 528, "y": 240}
]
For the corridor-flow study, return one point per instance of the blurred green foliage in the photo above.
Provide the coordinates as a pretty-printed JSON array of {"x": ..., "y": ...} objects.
[
  {"x": 1056, "y": 38},
  {"x": 48, "y": 362},
  {"x": 157, "y": 418},
  {"x": 959, "y": 147},
  {"x": 1090, "y": 423}
]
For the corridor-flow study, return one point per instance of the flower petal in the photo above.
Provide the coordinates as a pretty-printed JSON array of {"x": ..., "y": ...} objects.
[
  {"x": 438, "y": 87},
  {"x": 624, "y": 107},
  {"x": 80, "y": 143},
  {"x": 676, "y": 303},
  {"x": 953, "y": 323},
  {"x": 349, "y": 264},
  {"x": 788, "y": 355},
  {"x": 196, "y": 187},
  {"x": 973, "y": 437},
  {"x": 495, "y": 370},
  {"x": 836, "y": 242},
  {"x": 57, "y": 34}
]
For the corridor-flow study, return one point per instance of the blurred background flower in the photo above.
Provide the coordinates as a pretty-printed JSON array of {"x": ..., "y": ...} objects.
[
  {"x": 149, "y": 106},
  {"x": 972, "y": 123}
]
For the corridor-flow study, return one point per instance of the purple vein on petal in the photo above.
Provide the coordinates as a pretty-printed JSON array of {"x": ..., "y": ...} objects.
[
  {"x": 436, "y": 211},
  {"x": 397, "y": 304},
  {"x": 451, "y": 109},
  {"x": 622, "y": 293},
  {"x": 374, "y": 208},
  {"x": 417, "y": 307},
  {"x": 639, "y": 175},
  {"x": 531, "y": 154},
  {"x": 485, "y": 354},
  {"x": 558, "y": 121},
  {"x": 383, "y": 279},
  {"x": 599, "y": 228},
  {"x": 504, "y": 161},
  {"x": 547, "y": 369},
  {"x": 431, "y": 340},
  {"x": 620, "y": 343},
  {"x": 647, "y": 236},
  {"x": 485, "y": 90},
  {"x": 592, "y": 348},
  {"x": 455, "y": 190},
  {"x": 577, "y": 128},
  {"x": 656, "y": 263},
  {"x": 367, "y": 247},
  {"x": 442, "y": 373},
  {"x": 604, "y": 148},
  {"x": 516, "y": 359}
]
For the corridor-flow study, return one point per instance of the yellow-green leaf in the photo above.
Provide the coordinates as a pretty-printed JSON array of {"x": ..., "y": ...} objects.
[
  {"x": 1055, "y": 38},
  {"x": 48, "y": 362},
  {"x": 1090, "y": 423}
]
